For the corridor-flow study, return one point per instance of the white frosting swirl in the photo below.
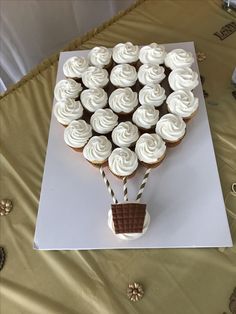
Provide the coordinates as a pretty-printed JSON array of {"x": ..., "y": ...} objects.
[
  {"x": 125, "y": 134},
  {"x": 123, "y": 100},
  {"x": 171, "y": 127},
  {"x": 151, "y": 74},
  {"x": 152, "y": 95},
  {"x": 128, "y": 236},
  {"x": 125, "y": 53},
  {"x": 123, "y": 161},
  {"x": 123, "y": 75},
  {"x": 179, "y": 58},
  {"x": 100, "y": 56},
  {"x": 98, "y": 149},
  {"x": 150, "y": 148},
  {"x": 95, "y": 77},
  {"x": 77, "y": 133},
  {"x": 67, "y": 88},
  {"x": 75, "y": 66},
  {"x": 103, "y": 121},
  {"x": 93, "y": 98},
  {"x": 146, "y": 116},
  {"x": 182, "y": 103},
  {"x": 184, "y": 78},
  {"x": 152, "y": 54},
  {"x": 67, "y": 110}
]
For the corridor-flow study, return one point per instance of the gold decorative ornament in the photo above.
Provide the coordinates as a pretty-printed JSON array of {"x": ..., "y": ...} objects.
[
  {"x": 5, "y": 207},
  {"x": 135, "y": 291},
  {"x": 201, "y": 56}
]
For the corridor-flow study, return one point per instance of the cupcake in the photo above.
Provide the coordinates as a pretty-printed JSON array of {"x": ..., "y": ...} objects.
[
  {"x": 182, "y": 103},
  {"x": 125, "y": 53},
  {"x": 152, "y": 54},
  {"x": 100, "y": 57},
  {"x": 146, "y": 117},
  {"x": 67, "y": 88},
  {"x": 97, "y": 150},
  {"x": 171, "y": 128},
  {"x": 125, "y": 134},
  {"x": 123, "y": 101},
  {"x": 149, "y": 74},
  {"x": 93, "y": 99},
  {"x": 95, "y": 77},
  {"x": 178, "y": 58},
  {"x": 74, "y": 67},
  {"x": 123, "y": 162},
  {"x": 123, "y": 75},
  {"x": 150, "y": 149},
  {"x": 68, "y": 110},
  {"x": 184, "y": 78},
  {"x": 77, "y": 134},
  {"x": 103, "y": 121},
  {"x": 152, "y": 95}
]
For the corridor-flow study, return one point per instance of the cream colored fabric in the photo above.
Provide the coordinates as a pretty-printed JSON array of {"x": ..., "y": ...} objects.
[{"x": 190, "y": 281}]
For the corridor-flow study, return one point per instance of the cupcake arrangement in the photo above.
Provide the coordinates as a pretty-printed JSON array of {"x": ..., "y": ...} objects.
[
  {"x": 115, "y": 98},
  {"x": 122, "y": 107}
]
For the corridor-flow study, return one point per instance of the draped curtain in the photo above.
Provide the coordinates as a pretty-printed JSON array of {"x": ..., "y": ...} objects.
[{"x": 31, "y": 30}]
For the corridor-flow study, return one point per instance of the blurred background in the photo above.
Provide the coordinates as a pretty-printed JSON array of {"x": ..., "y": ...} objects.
[{"x": 31, "y": 30}]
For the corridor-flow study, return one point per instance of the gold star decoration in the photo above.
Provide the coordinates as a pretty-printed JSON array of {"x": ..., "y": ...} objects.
[
  {"x": 5, "y": 207},
  {"x": 135, "y": 291}
]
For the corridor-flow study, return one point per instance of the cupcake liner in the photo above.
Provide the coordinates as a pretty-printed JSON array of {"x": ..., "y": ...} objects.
[
  {"x": 121, "y": 177},
  {"x": 97, "y": 164},
  {"x": 186, "y": 119},
  {"x": 153, "y": 165},
  {"x": 173, "y": 144}
]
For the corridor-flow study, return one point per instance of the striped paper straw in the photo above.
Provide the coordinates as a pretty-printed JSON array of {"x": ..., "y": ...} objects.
[
  {"x": 107, "y": 183},
  {"x": 125, "y": 189},
  {"x": 142, "y": 186}
]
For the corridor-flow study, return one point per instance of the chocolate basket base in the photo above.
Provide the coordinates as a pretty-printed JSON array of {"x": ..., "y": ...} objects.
[{"x": 128, "y": 217}]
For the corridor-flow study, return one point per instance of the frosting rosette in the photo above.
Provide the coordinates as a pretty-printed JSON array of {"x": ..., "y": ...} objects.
[
  {"x": 123, "y": 162},
  {"x": 67, "y": 110},
  {"x": 103, "y": 121},
  {"x": 150, "y": 148},
  {"x": 178, "y": 58},
  {"x": 125, "y": 134},
  {"x": 146, "y": 116},
  {"x": 123, "y": 75},
  {"x": 123, "y": 100},
  {"x": 100, "y": 56},
  {"x": 67, "y": 88},
  {"x": 94, "y": 98},
  {"x": 152, "y": 95},
  {"x": 182, "y": 103},
  {"x": 125, "y": 53},
  {"x": 77, "y": 133},
  {"x": 151, "y": 74},
  {"x": 152, "y": 54},
  {"x": 95, "y": 77},
  {"x": 98, "y": 149},
  {"x": 171, "y": 127},
  {"x": 184, "y": 78},
  {"x": 75, "y": 66}
]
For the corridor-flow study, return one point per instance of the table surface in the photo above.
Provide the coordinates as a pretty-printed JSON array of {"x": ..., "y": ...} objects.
[{"x": 176, "y": 281}]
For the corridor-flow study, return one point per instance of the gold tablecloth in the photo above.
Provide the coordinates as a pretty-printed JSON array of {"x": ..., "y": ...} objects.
[{"x": 179, "y": 281}]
